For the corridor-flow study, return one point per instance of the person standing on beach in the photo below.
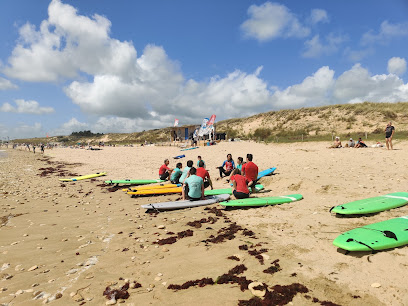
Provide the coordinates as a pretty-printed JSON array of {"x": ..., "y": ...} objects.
[
  {"x": 193, "y": 188},
  {"x": 250, "y": 171},
  {"x": 34, "y": 148},
  {"x": 229, "y": 166},
  {"x": 165, "y": 171},
  {"x": 42, "y": 148},
  {"x": 389, "y": 132}
]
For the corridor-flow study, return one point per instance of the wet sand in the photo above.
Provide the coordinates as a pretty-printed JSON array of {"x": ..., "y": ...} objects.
[{"x": 66, "y": 243}]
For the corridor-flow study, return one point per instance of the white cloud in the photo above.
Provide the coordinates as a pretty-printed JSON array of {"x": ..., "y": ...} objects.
[
  {"x": 272, "y": 20},
  {"x": 315, "y": 48},
  {"x": 319, "y": 15},
  {"x": 357, "y": 55},
  {"x": 397, "y": 65},
  {"x": 386, "y": 32},
  {"x": 357, "y": 85},
  {"x": 314, "y": 90},
  {"x": 26, "y": 107},
  {"x": 6, "y": 84},
  {"x": 21, "y": 130}
]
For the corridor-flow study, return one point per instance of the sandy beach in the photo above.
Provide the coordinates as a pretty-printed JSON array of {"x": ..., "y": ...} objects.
[{"x": 65, "y": 243}]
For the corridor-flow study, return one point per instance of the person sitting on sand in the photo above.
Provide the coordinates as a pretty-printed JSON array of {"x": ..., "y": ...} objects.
[
  {"x": 165, "y": 171},
  {"x": 240, "y": 162},
  {"x": 193, "y": 188},
  {"x": 175, "y": 176},
  {"x": 336, "y": 144},
  {"x": 351, "y": 143},
  {"x": 200, "y": 159},
  {"x": 239, "y": 185},
  {"x": 201, "y": 172},
  {"x": 186, "y": 170},
  {"x": 250, "y": 171},
  {"x": 360, "y": 144},
  {"x": 229, "y": 166}
]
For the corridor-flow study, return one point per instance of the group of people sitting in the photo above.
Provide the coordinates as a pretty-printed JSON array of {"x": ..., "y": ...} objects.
[
  {"x": 243, "y": 177},
  {"x": 350, "y": 144}
]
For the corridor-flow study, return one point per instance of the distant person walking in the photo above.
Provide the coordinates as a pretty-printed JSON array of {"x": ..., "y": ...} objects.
[
  {"x": 42, "y": 148},
  {"x": 389, "y": 132}
]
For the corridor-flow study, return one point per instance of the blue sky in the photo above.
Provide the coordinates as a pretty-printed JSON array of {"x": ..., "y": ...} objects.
[{"x": 125, "y": 66}]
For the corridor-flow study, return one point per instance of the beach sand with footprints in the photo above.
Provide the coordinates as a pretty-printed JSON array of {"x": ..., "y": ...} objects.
[{"x": 85, "y": 242}]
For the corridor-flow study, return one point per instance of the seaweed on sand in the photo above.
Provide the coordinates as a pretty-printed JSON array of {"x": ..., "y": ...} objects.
[
  {"x": 198, "y": 282},
  {"x": 274, "y": 268},
  {"x": 280, "y": 295},
  {"x": 114, "y": 294}
]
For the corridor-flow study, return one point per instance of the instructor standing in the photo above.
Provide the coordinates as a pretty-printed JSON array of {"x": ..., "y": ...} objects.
[{"x": 389, "y": 132}]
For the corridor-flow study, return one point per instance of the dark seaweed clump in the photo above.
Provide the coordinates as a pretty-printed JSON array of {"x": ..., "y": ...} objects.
[
  {"x": 243, "y": 247},
  {"x": 197, "y": 223},
  {"x": 226, "y": 233},
  {"x": 214, "y": 210},
  {"x": 114, "y": 294},
  {"x": 274, "y": 268},
  {"x": 324, "y": 303},
  {"x": 198, "y": 282},
  {"x": 258, "y": 255},
  {"x": 233, "y": 258},
  {"x": 281, "y": 295},
  {"x": 169, "y": 240},
  {"x": 183, "y": 234},
  {"x": 247, "y": 232},
  {"x": 173, "y": 239}
]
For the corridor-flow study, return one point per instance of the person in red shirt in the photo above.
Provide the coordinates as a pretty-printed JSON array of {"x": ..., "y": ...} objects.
[
  {"x": 239, "y": 183},
  {"x": 201, "y": 172},
  {"x": 165, "y": 171},
  {"x": 250, "y": 171},
  {"x": 229, "y": 166}
]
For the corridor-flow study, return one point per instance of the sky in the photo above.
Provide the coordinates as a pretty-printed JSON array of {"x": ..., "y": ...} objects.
[{"x": 128, "y": 66}]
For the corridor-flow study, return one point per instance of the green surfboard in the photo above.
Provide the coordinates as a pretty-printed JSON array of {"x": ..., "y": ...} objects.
[
  {"x": 134, "y": 182},
  {"x": 372, "y": 205},
  {"x": 258, "y": 187},
  {"x": 377, "y": 236},
  {"x": 263, "y": 201}
]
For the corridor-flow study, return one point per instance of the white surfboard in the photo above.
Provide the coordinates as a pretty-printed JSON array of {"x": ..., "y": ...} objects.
[{"x": 186, "y": 203}]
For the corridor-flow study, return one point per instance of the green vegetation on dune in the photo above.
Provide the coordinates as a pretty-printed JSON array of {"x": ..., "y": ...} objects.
[{"x": 288, "y": 125}]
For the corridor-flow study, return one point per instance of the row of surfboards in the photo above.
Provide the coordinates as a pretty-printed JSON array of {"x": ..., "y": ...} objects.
[{"x": 378, "y": 236}]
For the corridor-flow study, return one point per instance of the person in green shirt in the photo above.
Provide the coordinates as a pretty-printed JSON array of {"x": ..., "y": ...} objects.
[
  {"x": 175, "y": 176},
  {"x": 193, "y": 188},
  {"x": 240, "y": 162},
  {"x": 185, "y": 171},
  {"x": 198, "y": 162}
]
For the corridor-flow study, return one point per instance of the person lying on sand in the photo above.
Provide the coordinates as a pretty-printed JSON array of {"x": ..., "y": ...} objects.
[
  {"x": 336, "y": 144},
  {"x": 239, "y": 185},
  {"x": 165, "y": 171},
  {"x": 193, "y": 188}
]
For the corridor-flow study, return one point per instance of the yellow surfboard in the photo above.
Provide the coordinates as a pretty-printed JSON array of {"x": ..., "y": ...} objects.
[
  {"x": 156, "y": 191},
  {"x": 137, "y": 188},
  {"x": 84, "y": 177}
]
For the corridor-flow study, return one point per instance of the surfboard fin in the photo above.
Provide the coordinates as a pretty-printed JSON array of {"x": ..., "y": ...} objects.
[{"x": 390, "y": 234}]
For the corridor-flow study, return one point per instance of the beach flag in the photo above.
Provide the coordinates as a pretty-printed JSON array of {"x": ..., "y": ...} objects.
[
  {"x": 211, "y": 121},
  {"x": 176, "y": 121},
  {"x": 47, "y": 135},
  {"x": 201, "y": 131}
]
